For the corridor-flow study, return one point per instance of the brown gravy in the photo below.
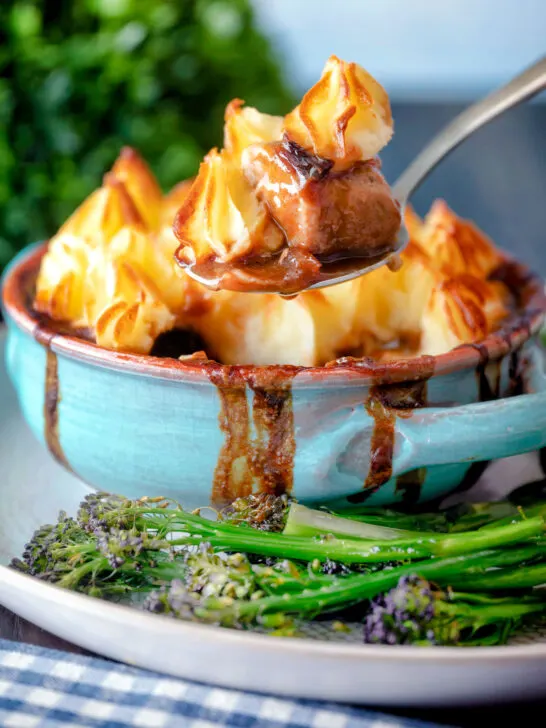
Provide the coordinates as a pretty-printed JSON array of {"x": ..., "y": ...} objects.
[
  {"x": 303, "y": 179},
  {"x": 258, "y": 458},
  {"x": 51, "y": 412},
  {"x": 385, "y": 403}
]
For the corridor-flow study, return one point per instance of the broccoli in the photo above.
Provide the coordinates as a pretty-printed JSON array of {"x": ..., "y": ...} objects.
[
  {"x": 415, "y": 612},
  {"x": 96, "y": 511},
  {"x": 262, "y": 511},
  {"x": 289, "y": 591},
  {"x": 104, "y": 551},
  {"x": 214, "y": 583},
  {"x": 43, "y": 556},
  {"x": 213, "y": 579},
  {"x": 191, "y": 567}
]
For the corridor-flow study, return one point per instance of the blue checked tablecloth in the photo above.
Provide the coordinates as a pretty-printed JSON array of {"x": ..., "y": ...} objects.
[{"x": 42, "y": 687}]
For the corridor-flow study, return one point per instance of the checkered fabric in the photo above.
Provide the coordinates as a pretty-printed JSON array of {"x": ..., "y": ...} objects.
[{"x": 41, "y": 687}]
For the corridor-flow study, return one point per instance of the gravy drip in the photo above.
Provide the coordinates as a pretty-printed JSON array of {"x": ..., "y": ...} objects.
[
  {"x": 51, "y": 409},
  {"x": 259, "y": 442},
  {"x": 385, "y": 403}
]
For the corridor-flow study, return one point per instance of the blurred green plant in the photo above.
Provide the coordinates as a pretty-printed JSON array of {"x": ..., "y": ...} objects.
[{"x": 80, "y": 78}]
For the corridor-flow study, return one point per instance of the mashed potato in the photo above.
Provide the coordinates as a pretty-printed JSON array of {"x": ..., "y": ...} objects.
[
  {"x": 346, "y": 117},
  {"x": 110, "y": 269},
  {"x": 291, "y": 190}
]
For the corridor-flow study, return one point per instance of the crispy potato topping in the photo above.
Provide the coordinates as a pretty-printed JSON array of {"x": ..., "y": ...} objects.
[
  {"x": 285, "y": 192},
  {"x": 345, "y": 117},
  {"x": 110, "y": 268},
  {"x": 111, "y": 271}
]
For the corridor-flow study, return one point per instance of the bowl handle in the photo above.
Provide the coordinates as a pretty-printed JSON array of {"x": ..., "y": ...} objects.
[{"x": 480, "y": 431}]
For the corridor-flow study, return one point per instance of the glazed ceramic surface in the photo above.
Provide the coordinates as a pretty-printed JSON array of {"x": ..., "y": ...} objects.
[
  {"x": 33, "y": 488},
  {"x": 202, "y": 432}
]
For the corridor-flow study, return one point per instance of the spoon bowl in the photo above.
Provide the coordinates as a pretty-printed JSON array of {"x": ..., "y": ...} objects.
[
  {"x": 330, "y": 273},
  {"x": 347, "y": 270}
]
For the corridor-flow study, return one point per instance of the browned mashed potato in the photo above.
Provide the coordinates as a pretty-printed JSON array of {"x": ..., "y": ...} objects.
[{"x": 111, "y": 270}]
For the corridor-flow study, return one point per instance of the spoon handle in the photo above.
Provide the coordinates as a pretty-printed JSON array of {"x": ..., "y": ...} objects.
[{"x": 522, "y": 87}]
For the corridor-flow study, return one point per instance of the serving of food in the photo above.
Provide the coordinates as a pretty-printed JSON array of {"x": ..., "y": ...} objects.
[
  {"x": 286, "y": 443},
  {"x": 288, "y": 198},
  {"x": 462, "y": 577},
  {"x": 111, "y": 275},
  {"x": 329, "y": 395},
  {"x": 112, "y": 271}
]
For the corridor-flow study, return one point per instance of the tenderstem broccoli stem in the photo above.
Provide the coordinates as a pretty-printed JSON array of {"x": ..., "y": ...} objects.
[
  {"x": 236, "y": 538},
  {"x": 528, "y": 512},
  {"x": 303, "y": 521},
  {"x": 472, "y": 616},
  {"x": 532, "y": 575},
  {"x": 492, "y": 612},
  {"x": 476, "y": 574},
  {"x": 74, "y": 577},
  {"x": 503, "y": 558},
  {"x": 490, "y": 538},
  {"x": 353, "y": 589},
  {"x": 459, "y": 518},
  {"x": 143, "y": 576},
  {"x": 353, "y": 551}
]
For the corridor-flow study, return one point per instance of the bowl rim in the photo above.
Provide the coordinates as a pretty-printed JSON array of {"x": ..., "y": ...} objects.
[{"x": 521, "y": 326}]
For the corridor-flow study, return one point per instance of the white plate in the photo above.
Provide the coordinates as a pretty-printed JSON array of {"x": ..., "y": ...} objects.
[{"x": 32, "y": 491}]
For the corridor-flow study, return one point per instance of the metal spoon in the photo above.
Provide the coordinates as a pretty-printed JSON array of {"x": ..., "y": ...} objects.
[{"x": 524, "y": 86}]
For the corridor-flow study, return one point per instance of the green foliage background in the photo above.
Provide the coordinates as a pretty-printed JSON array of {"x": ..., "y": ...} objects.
[{"x": 80, "y": 78}]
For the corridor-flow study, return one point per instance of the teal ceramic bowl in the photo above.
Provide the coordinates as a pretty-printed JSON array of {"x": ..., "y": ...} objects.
[{"x": 349, "y": 433}]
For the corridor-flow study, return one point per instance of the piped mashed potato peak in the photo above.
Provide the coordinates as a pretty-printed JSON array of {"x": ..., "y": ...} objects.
[
  {"x": 110, "y": 270},
  {"x": 222, "y": 217},
  {"x": 345, "y": 117},
  {"x": 244, "y": 125}
]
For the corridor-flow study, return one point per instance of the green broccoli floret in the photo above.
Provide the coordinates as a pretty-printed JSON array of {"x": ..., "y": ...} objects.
[{"x": 215, "y": 581}]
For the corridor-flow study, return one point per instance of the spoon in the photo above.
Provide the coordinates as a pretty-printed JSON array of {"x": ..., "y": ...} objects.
[{"x": 524, "y": 86}]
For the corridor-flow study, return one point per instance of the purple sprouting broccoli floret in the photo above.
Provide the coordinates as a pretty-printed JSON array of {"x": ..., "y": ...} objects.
[
  {"x": 173, "y": 600},
  {"x": 44, "y": 555},
  {"x": 410, "y": 613},
  {"x": 120, "y": 546},
  {"x": 262, "y": 511},
  {"x": 100, "y": 512}
]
